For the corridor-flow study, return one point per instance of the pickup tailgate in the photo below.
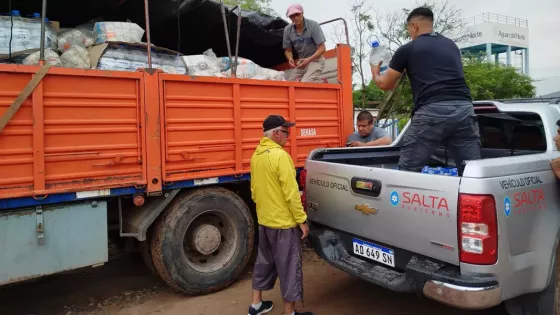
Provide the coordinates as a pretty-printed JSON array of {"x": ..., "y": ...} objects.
[{"x": 389, "y": 210}]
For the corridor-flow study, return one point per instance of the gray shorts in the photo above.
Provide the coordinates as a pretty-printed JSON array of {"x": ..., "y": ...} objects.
[
  {"x": 279, "y": 255},
  {"x": 312, "y": 73},
  {"x": 450, "y": 123}
]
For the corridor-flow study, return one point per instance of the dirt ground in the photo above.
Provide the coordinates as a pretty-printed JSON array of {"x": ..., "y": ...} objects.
[{"x": 124, "y": 286}]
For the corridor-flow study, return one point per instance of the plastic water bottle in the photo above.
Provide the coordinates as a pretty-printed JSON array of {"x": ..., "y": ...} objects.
[
  {"x": 379, "y": 53},
  {"x": 38, "y": 17}
]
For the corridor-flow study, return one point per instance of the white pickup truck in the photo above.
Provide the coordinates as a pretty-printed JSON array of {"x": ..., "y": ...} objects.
[{"x": 471, "y": 241}]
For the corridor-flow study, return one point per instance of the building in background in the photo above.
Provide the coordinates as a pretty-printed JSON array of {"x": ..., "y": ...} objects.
[{"x": 498, "y": 35}]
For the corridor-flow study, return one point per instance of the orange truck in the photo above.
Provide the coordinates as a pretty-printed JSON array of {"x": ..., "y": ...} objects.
[{"x": 145, "y": 158}]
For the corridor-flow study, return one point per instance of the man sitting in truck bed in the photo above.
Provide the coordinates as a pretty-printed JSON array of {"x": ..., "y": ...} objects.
[
  {"x": 443, "y": 111},
  {"x": 303, "y": 39},
  {"x": 368, "y": 135}
]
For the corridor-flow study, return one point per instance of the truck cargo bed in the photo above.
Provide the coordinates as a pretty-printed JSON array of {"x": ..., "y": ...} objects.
[{"x": 89, "y": 130}]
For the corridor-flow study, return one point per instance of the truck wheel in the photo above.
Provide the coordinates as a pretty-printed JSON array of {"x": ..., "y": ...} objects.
[{"x": 203, "y": 241}]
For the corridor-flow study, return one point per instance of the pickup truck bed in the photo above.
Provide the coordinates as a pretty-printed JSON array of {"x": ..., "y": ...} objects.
[{"x": 413, "y": 232}]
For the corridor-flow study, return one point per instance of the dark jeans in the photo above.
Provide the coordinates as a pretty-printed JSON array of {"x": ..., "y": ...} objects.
[{"x": 451, "y": 123}]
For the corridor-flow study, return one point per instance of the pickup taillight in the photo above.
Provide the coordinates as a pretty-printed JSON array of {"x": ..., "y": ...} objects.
[
  {"x": 302, "y": 181},
  {"x": 478, "y": 229}
]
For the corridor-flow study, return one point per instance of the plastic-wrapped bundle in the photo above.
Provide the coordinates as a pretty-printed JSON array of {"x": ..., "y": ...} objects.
[
  {"x": 76, "y": 57},
  {"x": 226, "y": 64},
  {"x": 75, "y": 37},
  {"x": 256, "y": 72},
  {"x": 206, "y": 64},
  {"x": 120, "y": 57},
  {"x": 117, "y": 32},
  {"x": 51, "y": 58},
  {"x": 25, "y": 34}
]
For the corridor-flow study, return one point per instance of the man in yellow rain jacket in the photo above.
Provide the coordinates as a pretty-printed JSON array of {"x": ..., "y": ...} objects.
[{"x": 282, "y": 221}]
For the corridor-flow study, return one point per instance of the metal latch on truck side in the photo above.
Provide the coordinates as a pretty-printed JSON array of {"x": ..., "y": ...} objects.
[{"x": 40, "y": 226}]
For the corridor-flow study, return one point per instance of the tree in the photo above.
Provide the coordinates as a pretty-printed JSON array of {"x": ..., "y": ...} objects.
[
  {"x": 391, "y": 27},
  {"x": 361, "y": 35},
  {"x": 488, "y": 80},
  {"x": 262, "y": 6}
]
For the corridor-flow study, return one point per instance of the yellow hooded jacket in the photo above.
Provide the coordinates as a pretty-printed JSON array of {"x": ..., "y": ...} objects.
[{"x": 274, "y": 187}]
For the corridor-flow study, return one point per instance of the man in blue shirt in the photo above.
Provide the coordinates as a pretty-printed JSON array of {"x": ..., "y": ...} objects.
[{"x": 443, "y": 111}]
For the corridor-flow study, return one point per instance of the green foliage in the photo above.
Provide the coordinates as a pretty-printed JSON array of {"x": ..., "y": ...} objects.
[
  {"x": 403, "y": 120},
  {"x": 262, "y": 6},
  {"x": 490, "y": 81},
  {"x": 372, "y": 93},
  {"x": 486, "y": 81}
]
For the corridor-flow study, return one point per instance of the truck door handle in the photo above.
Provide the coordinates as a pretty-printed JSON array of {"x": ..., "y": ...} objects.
[
  {"x": 321, "y": 143},
  {"x": 116, "y": 160},
  {"x": 186, "y": 156},
  {"x": 366, "y": 186}
]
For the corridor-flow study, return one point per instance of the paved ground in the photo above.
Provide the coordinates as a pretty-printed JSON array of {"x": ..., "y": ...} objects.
[{"x": 125, "y": 287}]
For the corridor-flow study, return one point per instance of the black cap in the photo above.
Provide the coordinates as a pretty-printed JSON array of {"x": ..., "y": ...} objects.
[
  {"x": 275, "y": 121},
  {"x": 558, "y": 123}
]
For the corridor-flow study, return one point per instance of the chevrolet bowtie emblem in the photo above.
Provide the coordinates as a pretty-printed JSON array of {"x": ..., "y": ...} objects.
[{"x": 365, "y": 209}]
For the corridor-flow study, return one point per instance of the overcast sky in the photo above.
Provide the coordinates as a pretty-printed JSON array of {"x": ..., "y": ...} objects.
[{"x": 543, "y": 17}]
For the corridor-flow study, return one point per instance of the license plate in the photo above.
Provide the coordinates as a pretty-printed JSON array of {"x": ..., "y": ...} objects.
[{"x": 374, "y": 252}]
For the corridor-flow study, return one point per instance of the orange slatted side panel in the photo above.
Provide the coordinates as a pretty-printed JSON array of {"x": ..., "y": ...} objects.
[
  {"x": 199, "y": 130},
  {"x": 90, "y": 137},
  {"x": 318, "y": 120},
  {"x": 213, "y": 125},
  {"x": 16, "y": 140},
  {"x": 257, "y": 102}
]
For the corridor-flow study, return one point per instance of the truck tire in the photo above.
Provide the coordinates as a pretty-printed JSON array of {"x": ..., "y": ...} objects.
[
  {"x": 203, "y": 240},
  {"x": 146, "y": 253}
]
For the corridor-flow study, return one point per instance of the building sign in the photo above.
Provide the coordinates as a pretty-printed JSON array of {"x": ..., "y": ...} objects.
[{"x": 495, "y": 33}]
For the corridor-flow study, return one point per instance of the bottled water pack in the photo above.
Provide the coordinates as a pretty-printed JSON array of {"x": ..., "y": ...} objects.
[
  {"x": 446, "y": 171},
  {"x": 129, "y": 58},
  {"x": 25, "y": 34}
]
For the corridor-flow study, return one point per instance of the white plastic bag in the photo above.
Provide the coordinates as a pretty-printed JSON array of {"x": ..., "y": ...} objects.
[
  {"x": 76, "y": 57},
  {"x": 75, "y": 37},
  {"x": 256, "y": 72},
  {"x": 206, "y": 64},
  {"x": 226, "y": 64},
  {"x": 51, "y": 58},
  {"x": 117, "y": 32}
]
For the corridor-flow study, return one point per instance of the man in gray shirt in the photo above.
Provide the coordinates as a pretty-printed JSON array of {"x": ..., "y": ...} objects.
[
  {"x": 304, "y": 41},
  {"x": 367, "y": 135}
]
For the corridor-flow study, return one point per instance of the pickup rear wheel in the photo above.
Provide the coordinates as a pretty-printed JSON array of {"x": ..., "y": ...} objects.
[{"x": 203, "y": 241}]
